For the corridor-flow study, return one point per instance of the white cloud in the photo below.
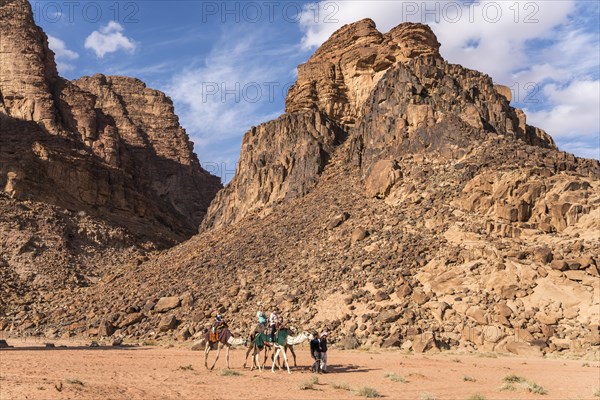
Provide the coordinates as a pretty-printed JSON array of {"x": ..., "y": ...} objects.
[
  {"x": 109, "y": 39},
  {"x": 501, "y": 29},
  {"x": 572, "y": 111},
  {"x": 516, "y": 43},
  {"x": 590, "y": 149},
  {"x": 62, "y": 53},
  {"x": 234, "y": 88}
]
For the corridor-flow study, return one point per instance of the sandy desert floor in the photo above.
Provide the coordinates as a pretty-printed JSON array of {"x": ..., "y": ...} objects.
[{"x": 152, "y": 372}]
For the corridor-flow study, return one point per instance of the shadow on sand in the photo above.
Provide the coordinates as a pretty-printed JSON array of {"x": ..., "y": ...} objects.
[
  {"x": 57, "y": 348},
  {"x": 336, "y": 369},
  {"x": 345, "y": 369}
]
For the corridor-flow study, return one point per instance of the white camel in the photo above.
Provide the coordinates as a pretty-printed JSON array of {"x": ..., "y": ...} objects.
[{"x": 290, "y": 342}]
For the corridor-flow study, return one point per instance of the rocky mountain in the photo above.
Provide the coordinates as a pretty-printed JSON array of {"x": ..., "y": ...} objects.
[
  {"x": 400, "y": 201},
  {"x": 94, "y": 173},
  {"x": 108, "y": 146}
]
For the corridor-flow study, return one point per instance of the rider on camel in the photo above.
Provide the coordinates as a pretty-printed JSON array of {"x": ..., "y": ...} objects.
[
  {"x": 275, "y": 322},
  {"x": 219, "y": 323},
  {"x": 262, "y": 321}
]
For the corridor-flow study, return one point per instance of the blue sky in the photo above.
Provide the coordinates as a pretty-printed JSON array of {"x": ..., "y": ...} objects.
[{"x": 227, "y": 65}]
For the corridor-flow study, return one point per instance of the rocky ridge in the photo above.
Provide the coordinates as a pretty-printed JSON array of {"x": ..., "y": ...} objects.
[{"x": 136, "y": 165}]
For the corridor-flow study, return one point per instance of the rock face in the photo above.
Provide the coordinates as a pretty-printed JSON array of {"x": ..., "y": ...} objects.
[
  {"x": 111, "y": 146},
  {"x": 338, "y": 78},
  {"x": 45, "y": 248},
  {"x": 280, "y": 160},
  {"x": 401, "y": 202},
  {"x": 428, "y": 105},
  {"x": 28, "y": 68}
]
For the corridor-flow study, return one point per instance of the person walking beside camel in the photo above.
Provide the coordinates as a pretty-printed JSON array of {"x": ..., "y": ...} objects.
[
  {"x": 323, "y": 351},
  {"x": 315, "y": 353}
]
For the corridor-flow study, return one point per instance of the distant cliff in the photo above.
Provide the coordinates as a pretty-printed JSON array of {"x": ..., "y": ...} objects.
[{"x": 109, "y": 146}]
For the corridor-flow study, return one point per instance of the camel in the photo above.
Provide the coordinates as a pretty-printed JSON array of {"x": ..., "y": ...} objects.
[
  {"x": 225, "y": 340},
  {"x": 284, "y": 341}
]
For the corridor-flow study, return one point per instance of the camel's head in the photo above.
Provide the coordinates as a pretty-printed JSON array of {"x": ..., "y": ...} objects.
[
  {"x": 292, "y": 330},
  {"x": 307, "y": 334}
]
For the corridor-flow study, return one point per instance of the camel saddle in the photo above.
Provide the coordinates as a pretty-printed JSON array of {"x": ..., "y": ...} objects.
[
  {"x": 264, "y": 339},
  {"x": 221, "y": 335}
]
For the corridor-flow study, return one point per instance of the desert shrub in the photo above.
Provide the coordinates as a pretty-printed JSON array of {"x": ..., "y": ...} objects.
[
  {"x": 229, "y": 372},
  {"x": 341, "y": 385},
  {"x": 367, "y": 392},
  {"x": 395, "y": 377}
]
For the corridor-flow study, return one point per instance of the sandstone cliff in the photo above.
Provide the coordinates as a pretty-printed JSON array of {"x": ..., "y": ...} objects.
[
  {"x": 367, "y": 83},
  {"x": 105, "y": 145},
  {"x": 280, "y": 160},
  {"x": 340, "y": 75}
]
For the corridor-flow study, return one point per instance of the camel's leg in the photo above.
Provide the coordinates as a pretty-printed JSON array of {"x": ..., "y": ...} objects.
[
  {"x": 227, "y": 356},
  {"x": 267, "y": 348},
  {"x": 285, "y": 360},
  {"x": 206, "y": 351},
  {"x": 219, "y": 347},
  {"x": 294, "y": 355},
  {"x": 275, "y": 360},
  {"x": 256, "y": 358},
  {"x": 260, "y": 367},
  {"x": 274, "y": 357},
  {"x": 248, "y": 353}
]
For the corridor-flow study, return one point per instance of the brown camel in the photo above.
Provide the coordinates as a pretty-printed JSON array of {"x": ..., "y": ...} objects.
[{"x": 226, "y": 340}]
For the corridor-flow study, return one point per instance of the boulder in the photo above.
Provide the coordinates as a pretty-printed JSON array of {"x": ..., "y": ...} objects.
[
  {"x": 403, "y": 291},
  {"x": 503, "y": 310},
  {"x": 167, "y": 323},
  {"x": 523, "y": 349},
  {"x": 504, "y": 91},
  {"x": 542, "y": 255},
  {"x": 131, "y": 319},
  {"x": 574, "y": 264},
  {"x": 165, "y": 304},
  {"x": 593, "y": 338},
  {"x": 358, "y": 234},
  {"x": 419, "y": 297},
  {"x": 199, "y": 345},
  {"x": 381, "y": 296},
  {"x": 392, "y": 341},
  {"x": 337, "y": 220},
  {"x": 559, "y": 265},
  {"x": 183, "y": 334},
  {"x": 348, "y": 343},
  {"x": 477, "y": 315},
  {"x": 388, "y": 316},
  {"x": 423, "y": 342},
  {"x": 105, "y": 328},
  {"x": 382, "y": 177}
]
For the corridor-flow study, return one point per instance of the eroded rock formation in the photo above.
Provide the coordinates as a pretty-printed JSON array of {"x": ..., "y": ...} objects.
[
  {"x": 106, "y": 145},
  {"x": 338, "y": 78},
  {"x": 280, "y": 160}
]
